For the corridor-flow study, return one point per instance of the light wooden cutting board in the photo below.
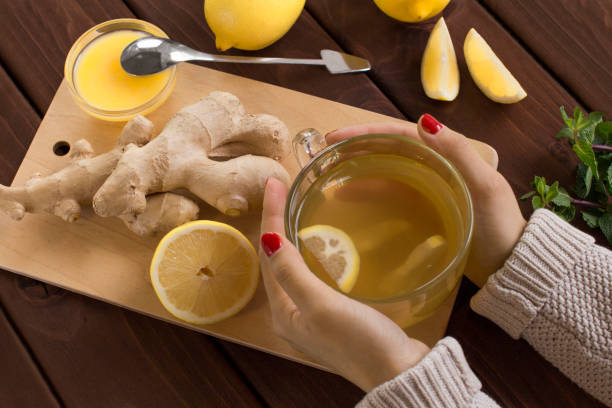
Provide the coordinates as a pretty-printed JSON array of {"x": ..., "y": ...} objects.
[{"x": 100, "y": 258}]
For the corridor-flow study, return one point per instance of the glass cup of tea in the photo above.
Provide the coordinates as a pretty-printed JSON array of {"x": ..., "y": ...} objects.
[{"x": 406, "y": 209}]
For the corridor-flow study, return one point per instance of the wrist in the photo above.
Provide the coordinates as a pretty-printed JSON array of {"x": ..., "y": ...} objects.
[{"x": 394, "y": 363}]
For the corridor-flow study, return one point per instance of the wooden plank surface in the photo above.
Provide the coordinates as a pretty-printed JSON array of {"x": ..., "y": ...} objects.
[
  {"x": 185, "y": 22},
  {"x": 25, "y": 386},
  {"x": 87, "y": 352},
  {"x": 98, "y": 355},
  {"x": 523, "y": 133},
  {"x": 573, "y": 39},
  {"x": 45, "y": 24}
]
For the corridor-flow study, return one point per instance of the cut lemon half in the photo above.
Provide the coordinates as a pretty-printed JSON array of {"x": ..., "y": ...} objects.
[
  {"x": 489, "y": 73},
  {"x": 335, "y": 251},
  {"x": 204, "y": 271},
  {"x": 439, "y": 70}
]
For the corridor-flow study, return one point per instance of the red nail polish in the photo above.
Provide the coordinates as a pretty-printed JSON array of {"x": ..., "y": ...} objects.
[
  {"x": 430, "y": 124},
  {"x": 267, "y": 181},
  {"x": 271, "y": 242}
]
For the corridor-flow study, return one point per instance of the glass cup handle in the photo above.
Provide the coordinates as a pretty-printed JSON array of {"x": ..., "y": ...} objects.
[{"x": 306, "y": 144}]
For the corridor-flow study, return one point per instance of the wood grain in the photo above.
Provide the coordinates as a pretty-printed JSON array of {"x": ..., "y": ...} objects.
[
  {"x": 97, "y": 364},
  {"x": 98, "y": 355},
  {"x": 24, "y": 387},
  {"x": 523, "y": 133},
  {"x": 284, "y": 384},
  {"x": 99, "y": 257},
  {"x": 573, "y": 39},
  {"x": 185, "y": 22},
  {"x": 38, "y": 34}
]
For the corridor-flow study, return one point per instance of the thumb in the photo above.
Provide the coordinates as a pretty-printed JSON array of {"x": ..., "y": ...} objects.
[
  {"x": 286, "y": 266},
  {"x": 478, "y": 174}
]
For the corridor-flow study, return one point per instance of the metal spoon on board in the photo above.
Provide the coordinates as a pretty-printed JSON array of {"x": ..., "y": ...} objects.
[{"x": 149, "y": 55}]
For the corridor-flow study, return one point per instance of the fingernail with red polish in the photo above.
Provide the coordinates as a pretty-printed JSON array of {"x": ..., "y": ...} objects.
[
  {"x": 271, "y": 242},
  {"x": 430, "y": 124},
  {"x": 267, "y": 181}
]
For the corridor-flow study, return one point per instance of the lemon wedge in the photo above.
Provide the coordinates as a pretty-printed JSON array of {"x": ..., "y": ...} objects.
[
  {"x": 489, "y": 73},
  {"x": 417, "y": 263},
  {"x": 439, "y": 70},
  {"x": 335, "y": 251},
  {"x": 204, "y": 272}
]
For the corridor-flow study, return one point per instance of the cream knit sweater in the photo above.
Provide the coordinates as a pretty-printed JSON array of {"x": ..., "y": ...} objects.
[{"x": 555, "y": 291}]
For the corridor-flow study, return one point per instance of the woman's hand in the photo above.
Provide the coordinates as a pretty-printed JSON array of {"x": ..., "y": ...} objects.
[
  {"x": 498, "y": 222},
  {"x": 356, "y": 341}
]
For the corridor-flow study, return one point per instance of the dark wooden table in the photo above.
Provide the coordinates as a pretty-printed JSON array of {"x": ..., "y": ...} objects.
[{"x": 58, "y": 348}]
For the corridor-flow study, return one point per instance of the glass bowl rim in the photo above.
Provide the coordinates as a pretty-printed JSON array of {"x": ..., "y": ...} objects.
[
  {"x": 80, "y": 44},
  {"x": 320, "y": 156}
]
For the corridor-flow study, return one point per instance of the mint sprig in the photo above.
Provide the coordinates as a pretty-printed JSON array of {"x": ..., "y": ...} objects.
[{"x": 591, "y": 140}]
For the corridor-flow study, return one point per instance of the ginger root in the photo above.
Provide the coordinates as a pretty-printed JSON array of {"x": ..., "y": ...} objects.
[
  {"x": 212, "y": 148},
  {"x": 163, "y": 213},
  {"x": 63, "y": 193},
  {"x": 181, "y": 156}
]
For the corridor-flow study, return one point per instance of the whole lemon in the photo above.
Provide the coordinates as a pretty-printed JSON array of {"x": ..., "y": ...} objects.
[
  {"x": 411, "y": 11},
  {"x": 250, "y": 24}
]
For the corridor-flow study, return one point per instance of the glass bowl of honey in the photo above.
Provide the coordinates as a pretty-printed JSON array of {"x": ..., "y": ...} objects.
[{"x": 98, "y": 83}]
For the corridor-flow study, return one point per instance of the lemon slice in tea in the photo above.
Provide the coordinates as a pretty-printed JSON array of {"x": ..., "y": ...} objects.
[
  {"x": 204, "y": 271},
  {"x": 335, "y": 251}
]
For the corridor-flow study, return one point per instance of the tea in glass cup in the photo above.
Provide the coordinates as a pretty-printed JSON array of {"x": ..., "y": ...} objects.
[{"x": 405, "y": 210}]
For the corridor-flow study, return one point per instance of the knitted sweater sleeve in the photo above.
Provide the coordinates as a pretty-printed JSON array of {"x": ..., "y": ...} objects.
[{"x": 555, "y": 291}]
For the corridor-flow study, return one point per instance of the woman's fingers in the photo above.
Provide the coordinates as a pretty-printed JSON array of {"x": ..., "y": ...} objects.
[
  {"x": 287, "y": 279},
  {"x": 478, "y": 174},
  {"x": 405, "y": 129},
  {"x": 273, "y": 215}
]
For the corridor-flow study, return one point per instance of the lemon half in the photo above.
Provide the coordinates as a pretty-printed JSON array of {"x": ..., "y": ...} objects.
[
  {"x": 335, "y": 251},
  {"x": 204, "y": 271},
  {"x": 439, "y": 70},
  {"x": 411, "y": 11},
  {"x": 489, "y": 73}
]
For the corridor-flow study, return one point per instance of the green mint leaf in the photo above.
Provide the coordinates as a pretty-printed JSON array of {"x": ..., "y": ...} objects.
[
  {"x": 552, "y": 192},
  {"x": 526, "y": 196},
  {"x": 605, "y": 224},
  {"x": 591, "y": 218},
  {"x": 584, "y": 181},
  {"x": 578, "y": 117},
  {"x": 566, "y": 119},
  {"x": 540, "y": 185},
  {"x": 562, "y": 199},
  {"x": 588, "y": 133},
  {"x": 603, "y": 134},
  {"x": 585, "y": 153},
  {"x": 608, "y": 179},
  {"x": 537, "y": 202},
  {"x": 565, "y": 133},
  {"x": 567, "y": 213},
  {"x": 596, "y": 117}
]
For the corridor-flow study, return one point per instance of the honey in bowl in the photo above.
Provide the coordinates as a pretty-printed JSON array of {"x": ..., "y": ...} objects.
[
  {"x": 101, "y": 81},
  {"x": 98, "y": 83}
]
